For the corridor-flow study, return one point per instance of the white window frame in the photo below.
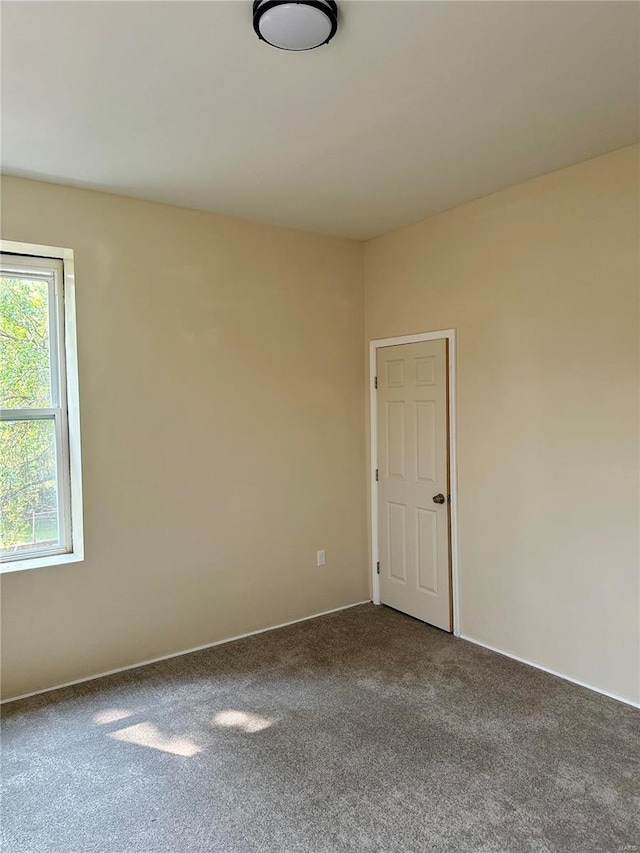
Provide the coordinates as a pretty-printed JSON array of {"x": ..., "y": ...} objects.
[{"x": 58, "y": 269}]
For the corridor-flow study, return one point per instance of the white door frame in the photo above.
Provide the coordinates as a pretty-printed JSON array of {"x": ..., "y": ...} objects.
[{"x": 374, "y": 346}]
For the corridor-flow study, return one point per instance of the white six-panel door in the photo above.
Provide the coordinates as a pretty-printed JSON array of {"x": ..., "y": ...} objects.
[{"x": 413, "y": 529}]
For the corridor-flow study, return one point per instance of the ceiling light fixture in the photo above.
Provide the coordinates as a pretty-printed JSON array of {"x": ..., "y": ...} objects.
[{"x": 300, "y": 25}]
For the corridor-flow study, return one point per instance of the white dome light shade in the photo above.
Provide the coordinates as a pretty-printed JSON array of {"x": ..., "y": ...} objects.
[{"x": 300, "y": 25}]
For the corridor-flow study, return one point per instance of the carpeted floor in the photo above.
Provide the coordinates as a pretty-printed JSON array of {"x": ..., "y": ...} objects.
[{"x": 360, "y": 731}]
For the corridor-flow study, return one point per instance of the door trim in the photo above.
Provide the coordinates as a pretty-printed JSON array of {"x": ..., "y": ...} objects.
[{"x": 374, "y": 346}]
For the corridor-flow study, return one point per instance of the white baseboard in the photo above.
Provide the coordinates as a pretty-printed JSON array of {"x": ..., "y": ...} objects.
[
  {"x": 305, "y": 619},
  {"x": 179, "y": 654},
  {"x": 552, "y": 672}
]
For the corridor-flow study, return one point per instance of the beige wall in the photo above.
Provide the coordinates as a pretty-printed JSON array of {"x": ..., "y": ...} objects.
[
  {"x": 221, "y": 385},
  {"x": 541, "y": 283}
]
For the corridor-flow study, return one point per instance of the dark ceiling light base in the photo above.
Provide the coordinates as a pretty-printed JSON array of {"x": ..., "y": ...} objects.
[{"x": 295, "y": 24}]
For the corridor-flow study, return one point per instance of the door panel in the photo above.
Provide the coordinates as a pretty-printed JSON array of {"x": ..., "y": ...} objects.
[
  {"x": 412, "y": 469},
  {"x": 397, "y": 539},
  {"x": 395, "y": 439},
  {"x": 426, "y": 463},
  {"x": 427, "y": 526}
]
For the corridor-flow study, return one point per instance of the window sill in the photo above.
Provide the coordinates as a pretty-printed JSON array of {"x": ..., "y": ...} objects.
[{"x": 39, "y": 562}]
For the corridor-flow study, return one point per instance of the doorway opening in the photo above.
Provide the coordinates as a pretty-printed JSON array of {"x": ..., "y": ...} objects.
[{"x": 414, "y": 541}]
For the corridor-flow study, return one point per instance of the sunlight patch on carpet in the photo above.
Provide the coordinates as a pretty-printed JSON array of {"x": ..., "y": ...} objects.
[
  {"x": 111, "y": 715},
  {"x": 243, "y": 720},
  {"x": 146, "y": 734}
]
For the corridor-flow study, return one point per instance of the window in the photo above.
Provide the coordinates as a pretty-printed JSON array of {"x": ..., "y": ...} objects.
[{"x": 40, "y": 484}]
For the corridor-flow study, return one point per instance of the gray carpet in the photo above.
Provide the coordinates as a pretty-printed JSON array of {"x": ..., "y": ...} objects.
[{"x": 360, "y": 731}]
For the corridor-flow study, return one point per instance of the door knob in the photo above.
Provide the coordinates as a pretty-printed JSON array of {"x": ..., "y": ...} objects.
[{"x": 438, "y": 499}]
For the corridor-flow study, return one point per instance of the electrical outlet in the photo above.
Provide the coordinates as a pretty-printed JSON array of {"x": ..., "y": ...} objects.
[{"x": 321, "y": 561}]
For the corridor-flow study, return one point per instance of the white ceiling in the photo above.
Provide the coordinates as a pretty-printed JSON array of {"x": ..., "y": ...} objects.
[{"x": 415, "y": 107}]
